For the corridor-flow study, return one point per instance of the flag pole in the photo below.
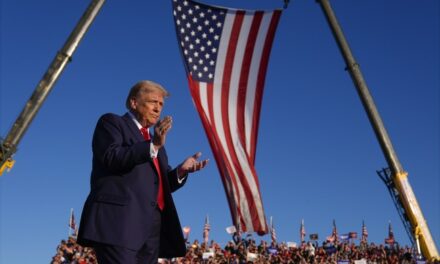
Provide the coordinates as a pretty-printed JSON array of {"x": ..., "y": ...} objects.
[
  {"x": 406, "y": 198},
  {"x": 9, "y": 146}
]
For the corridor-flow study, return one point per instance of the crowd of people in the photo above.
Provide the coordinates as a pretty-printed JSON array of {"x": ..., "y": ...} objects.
[
  {"x": 248, "y": 251},
  {"x": 69, "y": 252}
]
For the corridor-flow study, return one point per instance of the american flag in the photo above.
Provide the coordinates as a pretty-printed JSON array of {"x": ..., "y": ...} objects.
[
  {"x": 72, "y": 223},
  {"x": 302, "y": 231},
  {"x": 335, "y": 231},
  {"x": 390, "y": 240},
  {"x": 73, "y": 230},
  {"x": 364, "y": 232},
  {"x": 206, "y": 229},
  {"x": 273, "y": 233},
  {"x": 226, "y": 53}
]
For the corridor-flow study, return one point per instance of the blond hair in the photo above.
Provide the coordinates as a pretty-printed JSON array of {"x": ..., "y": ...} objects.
[{"x": 144, "y": 86}]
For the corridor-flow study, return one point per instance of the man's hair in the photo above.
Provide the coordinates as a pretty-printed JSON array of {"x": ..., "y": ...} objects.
[{"x": 144, "y": 86}]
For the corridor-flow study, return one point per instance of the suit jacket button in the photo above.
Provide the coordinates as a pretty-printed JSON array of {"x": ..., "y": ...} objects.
[{"x": 153, "y": 204}]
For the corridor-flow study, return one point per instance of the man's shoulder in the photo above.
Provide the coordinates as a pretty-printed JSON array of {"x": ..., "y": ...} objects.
[{"x": 112, "y": 117}]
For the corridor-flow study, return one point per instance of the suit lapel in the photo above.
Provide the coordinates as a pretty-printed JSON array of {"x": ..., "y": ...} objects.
[{"x": 132, "y": 127}]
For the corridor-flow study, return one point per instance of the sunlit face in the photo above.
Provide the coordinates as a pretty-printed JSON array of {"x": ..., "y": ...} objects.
[{"x": 147, "y": 107}]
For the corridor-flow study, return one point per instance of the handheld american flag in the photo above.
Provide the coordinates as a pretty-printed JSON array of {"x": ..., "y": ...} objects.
[
  {"x": 72, "y": 223},
  {"x": 302, "y": 231},
  {"x": 273, "y": 233},
  {"x": 206, "y": 229},
  {"x": 225, "y": 54},
  {"x": 364, "y": 232}
]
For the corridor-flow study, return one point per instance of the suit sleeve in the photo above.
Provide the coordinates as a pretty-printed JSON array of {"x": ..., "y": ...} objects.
[
  {"x": 172, "y": 174},
  {"x": 112, "y": 147}
]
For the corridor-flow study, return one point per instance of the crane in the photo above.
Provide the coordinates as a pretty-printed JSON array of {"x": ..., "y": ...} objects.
[
  {"x": 8, "y": 146},
  {"x": 395, "y": 177}
]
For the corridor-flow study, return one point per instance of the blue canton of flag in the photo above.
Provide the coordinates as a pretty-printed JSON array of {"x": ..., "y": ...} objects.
[{"x": 199, "y": 31}]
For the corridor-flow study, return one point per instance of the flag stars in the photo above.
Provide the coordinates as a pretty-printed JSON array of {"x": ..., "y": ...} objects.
[{"x": 199, "y": 31}]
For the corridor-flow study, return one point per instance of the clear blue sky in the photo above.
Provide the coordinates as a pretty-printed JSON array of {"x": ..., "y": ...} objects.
[{"x": 317, "y": 155}]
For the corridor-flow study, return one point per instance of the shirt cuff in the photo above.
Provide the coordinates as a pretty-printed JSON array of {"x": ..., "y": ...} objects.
[
  {"x": 180, "y": 179},
  {"x": 153, "y": 151}
]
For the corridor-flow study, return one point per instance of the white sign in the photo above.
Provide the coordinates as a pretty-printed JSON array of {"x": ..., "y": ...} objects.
[
  {"x": 207, "y": 255},
  {"x": 251, "y": 256}
]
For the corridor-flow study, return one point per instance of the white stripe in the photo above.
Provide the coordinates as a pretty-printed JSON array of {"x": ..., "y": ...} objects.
[
  {"x": 204, "y": 99},
  {"x": 252, "y": 82}
]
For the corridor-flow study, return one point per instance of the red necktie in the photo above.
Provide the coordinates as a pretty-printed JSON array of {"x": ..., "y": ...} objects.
[{"x": 160, "y": 200}]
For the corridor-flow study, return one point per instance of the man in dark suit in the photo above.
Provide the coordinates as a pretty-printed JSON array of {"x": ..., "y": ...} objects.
[{"x": 129, "y": 216}]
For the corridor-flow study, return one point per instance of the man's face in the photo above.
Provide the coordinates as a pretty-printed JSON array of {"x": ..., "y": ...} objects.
[{"x": 147, "y": 107}]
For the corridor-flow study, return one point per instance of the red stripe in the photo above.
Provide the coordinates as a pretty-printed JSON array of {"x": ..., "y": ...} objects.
[
  {"x": 261, "y": 78},
  {"x": 244, "y": 77}
]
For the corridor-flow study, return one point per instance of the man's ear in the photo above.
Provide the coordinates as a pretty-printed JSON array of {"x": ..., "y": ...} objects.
[{"x": 133, "y": 103}]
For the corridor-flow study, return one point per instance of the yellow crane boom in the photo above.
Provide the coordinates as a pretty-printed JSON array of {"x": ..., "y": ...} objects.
[
  {"x": 8, "y": 146},
  {"x": 398, "y": 178}
]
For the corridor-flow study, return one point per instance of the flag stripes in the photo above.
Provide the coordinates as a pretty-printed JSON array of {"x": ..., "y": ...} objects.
[{"x": 228, "y": 99}]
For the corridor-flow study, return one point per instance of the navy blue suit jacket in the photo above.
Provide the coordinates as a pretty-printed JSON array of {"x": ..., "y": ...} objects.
[{"x": 124, "y": 190}]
